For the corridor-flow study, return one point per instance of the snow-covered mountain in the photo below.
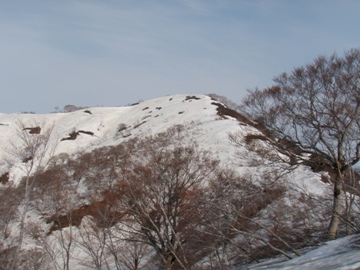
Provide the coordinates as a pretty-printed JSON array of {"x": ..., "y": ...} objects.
[
  {"x": 287, "y": 215},
  {"x": 110, "y": 126}
]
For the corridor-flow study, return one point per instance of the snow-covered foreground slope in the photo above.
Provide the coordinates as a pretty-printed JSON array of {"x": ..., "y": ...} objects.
[
  {"x": 338, "y": 254},
  {"x": 285, "y": 194}
]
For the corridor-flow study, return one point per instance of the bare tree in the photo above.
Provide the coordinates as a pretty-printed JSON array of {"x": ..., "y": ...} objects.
[
  {"x": 352, "y": 193},
  {"x": 50, "y": 247},
  {"x": 237, "y": 221},
  {"x": 127, "y": 250},
  {"x": 31, "y": 152},
  {"x": 59, "y": 242},
  {"x": 92, "y": 240},
  {"x": 132, "y": 254},
  {"x": 11, "y": 198},
  {"x": 62, "y": 204},
  {"x": 316, "y": 108},
  {"x": 34, "y": 259},
  {"x": 159, "y": 195}
]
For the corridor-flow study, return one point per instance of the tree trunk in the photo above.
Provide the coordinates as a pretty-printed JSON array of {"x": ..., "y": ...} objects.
[
  {"x": 22, "y": 223},
  {"x": 168, "y": 263},
  {"x": 336, "y": 209}
]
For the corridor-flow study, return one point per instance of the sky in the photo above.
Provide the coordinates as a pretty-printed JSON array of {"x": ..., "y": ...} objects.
[{"x": 117, "y": 52}]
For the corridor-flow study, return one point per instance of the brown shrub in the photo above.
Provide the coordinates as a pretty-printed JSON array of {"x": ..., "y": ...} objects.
[
  {"x": 4, "y": 178},
  {"x": 192, "y": 97},
  {"x": 249, "y": 138},
  {"x": 33, "y": 130}
]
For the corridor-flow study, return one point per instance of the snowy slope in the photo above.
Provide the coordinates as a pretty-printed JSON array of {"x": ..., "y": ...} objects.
[
  {"x": 150, "y": 117},
  {"x": 99, "y": 127},
  {"x": 338, "y": 254}
]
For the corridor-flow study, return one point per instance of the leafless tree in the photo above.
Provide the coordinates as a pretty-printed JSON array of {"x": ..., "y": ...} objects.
[
  {"x": 92, "y": 240},
  {"x": 316, "y": 108},
  {"x": 159, "y": 196},
  {"x": 237, "y": 220},
  {"x": 127, "y": 250},
  {"x": 57, "y": 246},
  {"x": 59, "y": 243},
  {"x": 31, "y": 152},
  {"x": 11, "y": 198},
  {"x": 34, "y": 259},
  {"x": 352, "y": 206}
]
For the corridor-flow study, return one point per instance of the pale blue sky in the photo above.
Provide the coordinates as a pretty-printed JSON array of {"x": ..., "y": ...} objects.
[{"x": 116, "y": 52}]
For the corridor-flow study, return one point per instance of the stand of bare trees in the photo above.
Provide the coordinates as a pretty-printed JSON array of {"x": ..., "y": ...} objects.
[
  {"x": 154, "y": 203},
  {"x": 316, "y": 108},
  {"x": 31, "y": 152}
]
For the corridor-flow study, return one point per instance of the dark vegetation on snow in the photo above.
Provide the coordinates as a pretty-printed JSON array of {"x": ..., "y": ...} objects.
[
  {"x": 152, "y": 191},
  {"x": 33, "y": 130},
  {"x": 4, "y": 178},
  {"x": 191, "y": 98},
  {"x": 73, "y": 135},
  {"x": 225, "y": 112}
]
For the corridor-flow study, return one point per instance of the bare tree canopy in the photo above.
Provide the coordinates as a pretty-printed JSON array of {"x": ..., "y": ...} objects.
[{"x": 316, "y": 107}]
